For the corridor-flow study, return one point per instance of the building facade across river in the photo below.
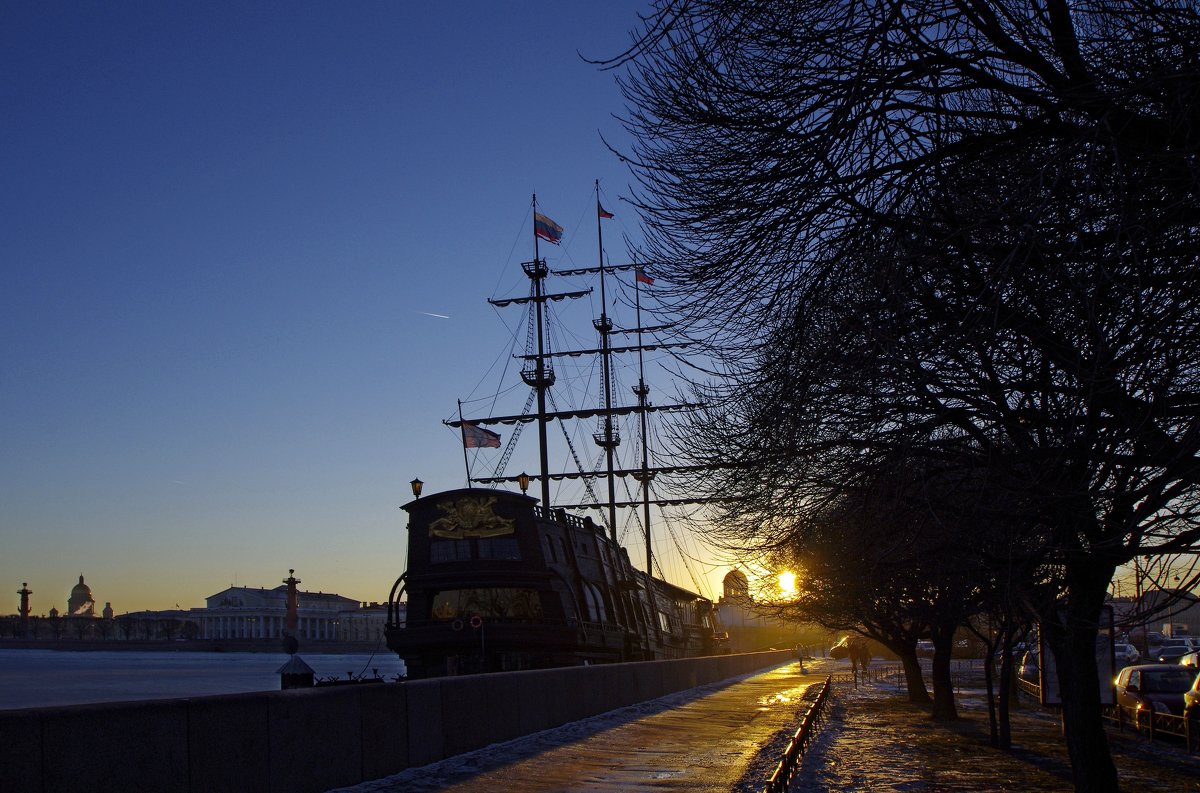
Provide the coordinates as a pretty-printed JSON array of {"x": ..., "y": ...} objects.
[{"x": 249, "y": 613}]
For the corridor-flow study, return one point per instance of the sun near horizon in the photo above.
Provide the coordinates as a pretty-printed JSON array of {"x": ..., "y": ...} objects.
[{"x": 787, "y": 583}]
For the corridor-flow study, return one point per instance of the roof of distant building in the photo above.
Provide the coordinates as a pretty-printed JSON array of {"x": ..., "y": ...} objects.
[{"x": 251, "y": 597}]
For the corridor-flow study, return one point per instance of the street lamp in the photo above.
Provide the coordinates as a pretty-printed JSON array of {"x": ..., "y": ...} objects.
[
  {"x": 417, "y": 484},
  {"x": 523, "y": 482}
]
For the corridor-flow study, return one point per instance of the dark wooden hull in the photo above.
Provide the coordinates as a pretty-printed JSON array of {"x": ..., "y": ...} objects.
[{"x": 495, "y": 583}]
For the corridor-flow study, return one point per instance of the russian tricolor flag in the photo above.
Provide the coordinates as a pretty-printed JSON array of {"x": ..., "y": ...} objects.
[{"x": 546, "y": 228}]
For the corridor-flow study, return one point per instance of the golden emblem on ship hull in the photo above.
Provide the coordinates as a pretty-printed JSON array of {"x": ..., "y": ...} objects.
[{"x": 471, "y": 517}]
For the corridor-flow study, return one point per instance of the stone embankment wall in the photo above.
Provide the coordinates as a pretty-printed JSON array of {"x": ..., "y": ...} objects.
[
  {"x": 312, "y": 740},
  {"x": 311, "y": 646}
]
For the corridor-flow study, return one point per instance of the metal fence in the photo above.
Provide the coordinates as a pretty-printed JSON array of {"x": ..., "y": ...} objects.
[
  {"x": 798, "y": 744},
  {"x": 1154, "y": 724},
  {"x": 872, "y": 674}
]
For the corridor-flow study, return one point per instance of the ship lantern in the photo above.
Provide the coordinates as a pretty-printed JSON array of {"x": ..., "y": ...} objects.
[
  {"x": 417, "y": 484},
  {"x": 523, "y": 482}
]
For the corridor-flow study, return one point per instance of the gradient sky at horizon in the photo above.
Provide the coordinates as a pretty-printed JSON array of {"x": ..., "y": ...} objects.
[{"x": 246, "y": 251}]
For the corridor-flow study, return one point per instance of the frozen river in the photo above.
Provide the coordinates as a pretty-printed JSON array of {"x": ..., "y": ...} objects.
[{"x": 40, "y": 678}]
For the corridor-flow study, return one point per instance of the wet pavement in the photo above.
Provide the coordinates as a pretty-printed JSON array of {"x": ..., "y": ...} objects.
[
  {"x": 707, "y": 739},
  {"x": 729, "y": 736}
]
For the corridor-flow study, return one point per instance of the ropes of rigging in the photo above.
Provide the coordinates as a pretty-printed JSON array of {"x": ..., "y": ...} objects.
[
  {"x": 571, "y": 446},
  {"x": 513, "y": 437}
]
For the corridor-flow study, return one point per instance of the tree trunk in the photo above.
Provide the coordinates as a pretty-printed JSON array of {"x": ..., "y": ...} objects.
[
  {"x": 1004, "y": 726},
  {"x": 943, "y": 687},
  {"x": 915, "y": 679},
  {"x": 1071, "y": 634},
  {"x": 989, "y": 665}
]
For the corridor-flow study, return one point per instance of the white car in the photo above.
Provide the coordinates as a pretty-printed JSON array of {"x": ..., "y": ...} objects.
[{"x": 1126, "y": 654}]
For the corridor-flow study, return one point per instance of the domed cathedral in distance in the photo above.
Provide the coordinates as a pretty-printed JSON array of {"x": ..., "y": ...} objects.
[
  {"x": 737, "y": 587},
  {"x": 81, "y": 603},
  {"x": 751, "y": 630}
]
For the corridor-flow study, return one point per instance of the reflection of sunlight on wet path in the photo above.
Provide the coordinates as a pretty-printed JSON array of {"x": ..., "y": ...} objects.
[{"x": 792, "y": 695}]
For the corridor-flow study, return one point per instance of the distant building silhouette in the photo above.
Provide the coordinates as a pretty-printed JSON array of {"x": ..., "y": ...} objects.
[
  {"x": 81, "y": 603},
  {"x": 748, "y": 629},
  {"x": 248, "y": 613},
  {"x": 233, "y": 613}
]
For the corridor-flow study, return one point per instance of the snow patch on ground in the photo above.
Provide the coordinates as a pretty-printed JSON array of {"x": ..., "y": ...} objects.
[{"x": 876, "y": 741}]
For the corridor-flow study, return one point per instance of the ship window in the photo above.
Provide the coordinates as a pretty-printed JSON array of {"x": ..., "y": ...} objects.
[
  {"x": 665, "y": 621},
  {"x": 550, "y": 549},
  {"x": 449, "y": 551},
  {"x": 499, "y": 548},
  {"x": 595, "y": 603},
  {"x": 503, "y": 603}
]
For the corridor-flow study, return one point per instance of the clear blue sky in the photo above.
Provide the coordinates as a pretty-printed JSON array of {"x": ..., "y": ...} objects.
[{"x": 222, "y": 223}]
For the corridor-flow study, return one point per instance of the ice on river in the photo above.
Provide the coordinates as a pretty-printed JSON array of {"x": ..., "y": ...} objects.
[{"x": 42, "y": 678}]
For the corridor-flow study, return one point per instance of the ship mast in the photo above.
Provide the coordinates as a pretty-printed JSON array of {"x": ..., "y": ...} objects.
[
  {"x": 542, "y": 376},
  {"x": 537, "y": 371},
  {"x": 642, "y": 391},
  {"x": 606, "y": 438}
]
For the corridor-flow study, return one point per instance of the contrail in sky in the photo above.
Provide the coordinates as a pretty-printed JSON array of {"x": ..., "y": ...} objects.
[{"x": 439, "y": 316}]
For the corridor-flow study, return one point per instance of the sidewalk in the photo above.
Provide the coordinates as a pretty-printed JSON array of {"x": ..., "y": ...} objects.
[{"x": 707, "y": 739}]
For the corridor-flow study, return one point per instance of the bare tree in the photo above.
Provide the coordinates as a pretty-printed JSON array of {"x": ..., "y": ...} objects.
[
  {"x": 892, "y": 220},
  {"x": 845, "y": 588}
]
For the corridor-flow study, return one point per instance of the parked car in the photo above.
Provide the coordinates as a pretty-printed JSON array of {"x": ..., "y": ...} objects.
[
  {"x": 1126, "y": 654},
  {"x": 1028, "y": 670},
  {"x": 1174, "y": 648},
  {"x": 1154, "y": 687},
  {"x": 1190, "y": 659},
  {"x": 1191, "y": 701}
]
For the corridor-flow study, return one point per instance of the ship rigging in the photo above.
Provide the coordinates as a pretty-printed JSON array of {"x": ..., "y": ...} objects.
[
  {"x": 537, "y": 585},
  {"x": 539, "y": 374}
]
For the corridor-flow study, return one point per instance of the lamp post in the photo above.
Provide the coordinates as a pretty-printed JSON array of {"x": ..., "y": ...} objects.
[{"x": 417, "y": 484}]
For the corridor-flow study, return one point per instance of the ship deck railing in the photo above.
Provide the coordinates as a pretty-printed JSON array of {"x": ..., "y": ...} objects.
[{"x": 479, "y": 621}]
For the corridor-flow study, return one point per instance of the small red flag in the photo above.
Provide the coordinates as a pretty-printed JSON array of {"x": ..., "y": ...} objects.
[
  {"x": 602, "y": 212},
  {"x": 641, "y": 277}
]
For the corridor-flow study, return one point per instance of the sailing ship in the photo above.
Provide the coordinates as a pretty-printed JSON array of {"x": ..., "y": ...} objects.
[{"x": 499, "y": 580}]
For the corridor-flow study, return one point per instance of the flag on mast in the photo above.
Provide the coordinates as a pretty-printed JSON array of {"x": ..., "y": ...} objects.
[
  {"x": 546, "y": 228},
  {"x": 641, "y": 277},
  {"x": 479, "y": 438},
  {"x": 602, "y": 212}
]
